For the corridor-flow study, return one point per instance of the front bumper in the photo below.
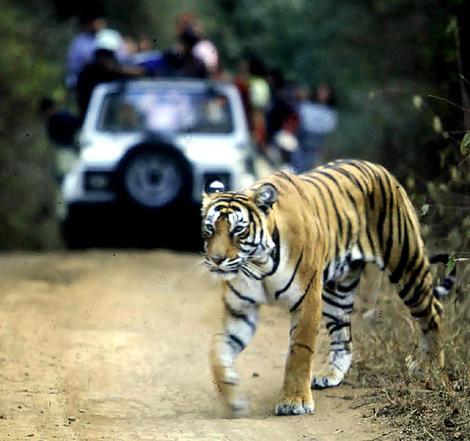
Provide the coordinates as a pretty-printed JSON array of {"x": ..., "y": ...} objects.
[{"x": 92, "y": 185}]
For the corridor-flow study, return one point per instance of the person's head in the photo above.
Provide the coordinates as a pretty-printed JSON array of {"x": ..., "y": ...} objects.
[
  {"x": 324, "y": 94},
  {"x": 302, "y": 92},
  {"x": 131, "y": 46},
  {"x": 188, "y": 39},
  {"x": 144, "y": 44},
  {"x": 92, "y": 22},
  {"x": 184, "y": 21}
]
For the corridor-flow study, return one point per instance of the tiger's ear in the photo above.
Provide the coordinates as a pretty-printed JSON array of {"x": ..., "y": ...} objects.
[{"x": 265, "y": 197}]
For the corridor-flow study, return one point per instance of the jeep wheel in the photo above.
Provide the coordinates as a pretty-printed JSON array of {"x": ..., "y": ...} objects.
[{"x": 154, "y": 177}]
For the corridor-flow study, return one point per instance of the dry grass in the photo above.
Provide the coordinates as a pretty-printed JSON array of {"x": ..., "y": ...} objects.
[{"x": 433, "y": 407}]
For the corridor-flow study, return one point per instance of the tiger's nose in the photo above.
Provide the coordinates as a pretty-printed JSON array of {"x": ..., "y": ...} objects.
[{"x": 217, "y": 259}]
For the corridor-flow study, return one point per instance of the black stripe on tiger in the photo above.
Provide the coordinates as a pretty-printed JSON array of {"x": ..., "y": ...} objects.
[
  {"x": 345, "y": 306},
  {"x": 425, "y": 311},
  {"x": 444, "y": 288},
  {"x": 348, "y": 222},
  {"x": 241, "y": 296},
  {"x": 302, "y": 297},
  {"x": 303, "y": 346},
  {"x": 349, "y": 287},
  {"x": 240, "y": 316},
  {"x": 412, "y": 278},
  {"x": 355, "y": 180},
  {"x": 366, "y": 172},
  {"x": 235, "y": 343},
  {"x": 333, "y": 203},
  {"x": 278, "y": 293},
  {"x": 332, "y": 292},
  {"x": 420, "y": 289},
  {"x": 400, "y": 268},
  {"x": 333, "y": 327},
  {"x": 285, "y": 176},
  {"x": 391, "y": 233},
  {"x": 276, "y": 253}
]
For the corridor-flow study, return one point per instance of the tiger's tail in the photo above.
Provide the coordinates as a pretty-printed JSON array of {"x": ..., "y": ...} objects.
[{"x": 442, "y": 291}]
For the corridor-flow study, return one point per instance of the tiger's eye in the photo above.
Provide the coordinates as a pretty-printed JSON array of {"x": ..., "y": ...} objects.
[
  {"x": 238, "y": 229},
  {"x": 208, "y": 230}
]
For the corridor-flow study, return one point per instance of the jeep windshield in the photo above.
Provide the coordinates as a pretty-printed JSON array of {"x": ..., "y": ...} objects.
[{"x": 169, "y": 109}]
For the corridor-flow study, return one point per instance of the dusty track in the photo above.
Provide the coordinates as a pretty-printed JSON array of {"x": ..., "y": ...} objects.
[{"x": 113, "y": 346}]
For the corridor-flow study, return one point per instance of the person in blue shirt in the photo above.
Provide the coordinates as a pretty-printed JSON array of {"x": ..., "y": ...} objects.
[
  {"x": 82, "y": 47},
  {"x": 317, "y": 118}
]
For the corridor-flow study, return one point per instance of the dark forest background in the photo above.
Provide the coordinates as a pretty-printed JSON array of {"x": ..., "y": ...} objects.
[{"x": 401, "y": 70}]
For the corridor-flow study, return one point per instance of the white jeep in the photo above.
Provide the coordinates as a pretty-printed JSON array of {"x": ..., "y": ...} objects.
[{"x": 149, "y": 146}]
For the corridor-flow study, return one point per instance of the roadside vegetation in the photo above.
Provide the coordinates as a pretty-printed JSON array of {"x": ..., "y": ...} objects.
[{"x": 435, "y": 405}]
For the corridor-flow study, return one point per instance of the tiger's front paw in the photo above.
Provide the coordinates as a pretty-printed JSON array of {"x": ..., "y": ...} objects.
[{"x": 295, "y": 405}]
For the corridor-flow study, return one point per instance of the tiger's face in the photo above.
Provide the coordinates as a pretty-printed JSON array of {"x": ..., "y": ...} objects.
[{"x": 235, "y": 229}]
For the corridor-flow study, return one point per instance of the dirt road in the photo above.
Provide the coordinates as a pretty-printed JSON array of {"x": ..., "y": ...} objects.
[{"x": 113, "y": 346}]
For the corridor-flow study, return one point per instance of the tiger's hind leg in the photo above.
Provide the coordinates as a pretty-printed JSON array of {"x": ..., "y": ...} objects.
[
  {"x": 417, "y": 294},
  {"x": 428, "y": 311},
  {"x": 338, "y": 301}
]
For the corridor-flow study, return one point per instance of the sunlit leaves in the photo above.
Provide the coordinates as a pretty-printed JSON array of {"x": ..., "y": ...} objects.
[
  {"x": 417, "y": 101},
  {"x": 450, "y": 264},
  {"x": 437, "y": 124},
  {"x": 465, "y": 144}
]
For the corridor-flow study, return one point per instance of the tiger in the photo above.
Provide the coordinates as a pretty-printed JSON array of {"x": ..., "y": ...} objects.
[{"x": 303, "y": 241}]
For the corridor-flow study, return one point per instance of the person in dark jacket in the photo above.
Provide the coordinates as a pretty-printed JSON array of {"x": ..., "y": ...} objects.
[
  {"x": 61, "y": 125},
  {"x": 181, "y": 62},
  {"x": 105, "y": 68}
]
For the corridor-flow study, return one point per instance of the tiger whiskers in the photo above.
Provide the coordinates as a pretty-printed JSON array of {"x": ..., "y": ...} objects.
[{"x": 252, "y": 270}]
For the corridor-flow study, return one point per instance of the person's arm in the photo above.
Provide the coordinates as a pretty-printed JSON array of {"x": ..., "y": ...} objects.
[{"x": 132, "y": 71}]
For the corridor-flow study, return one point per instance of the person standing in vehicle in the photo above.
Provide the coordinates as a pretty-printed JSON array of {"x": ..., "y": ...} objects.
[
  {"x": 82, "y": 47},
  {"x": 187, "y": 24},
  {"x": 180, "y": 61},
  {"x": 317, "y": 119},
  {"x": 104, "y": 68},
  {"x": 260, "y": 98}
]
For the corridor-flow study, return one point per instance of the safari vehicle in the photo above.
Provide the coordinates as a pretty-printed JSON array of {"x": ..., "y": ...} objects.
[{"x": 147, "y": 147}]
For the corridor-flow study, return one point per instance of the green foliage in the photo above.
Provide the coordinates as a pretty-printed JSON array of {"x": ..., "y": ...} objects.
[
  {"x": 465, "y": 144},
  {"x": 450, "y": 264},
  {"x": 27, "y": 72},
  {"x": 154, "y": 18},
  {"x": 424, "y": 209}
]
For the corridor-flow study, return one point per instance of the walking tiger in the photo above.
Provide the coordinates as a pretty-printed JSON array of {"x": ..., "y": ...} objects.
[{"x": 303, "y": 240}]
